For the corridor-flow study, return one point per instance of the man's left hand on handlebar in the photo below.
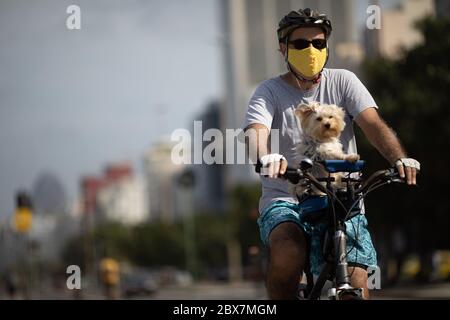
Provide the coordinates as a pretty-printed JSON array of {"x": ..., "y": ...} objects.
[{"x": 408, "y": 169}]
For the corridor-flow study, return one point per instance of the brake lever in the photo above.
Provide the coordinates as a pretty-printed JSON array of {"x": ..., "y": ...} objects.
[{"x": 393, "y": 176}]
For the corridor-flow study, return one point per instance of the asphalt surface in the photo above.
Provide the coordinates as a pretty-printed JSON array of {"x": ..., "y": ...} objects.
[
  {"x": 242, "y": 291},
  {"x": 248, "y": 290}
]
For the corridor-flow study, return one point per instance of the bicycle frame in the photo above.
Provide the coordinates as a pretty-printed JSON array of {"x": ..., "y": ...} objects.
[
  {"x": 340, "y": 205},
  {"x": 335, "y": 252},
  {"x": 337, "y": 268}
]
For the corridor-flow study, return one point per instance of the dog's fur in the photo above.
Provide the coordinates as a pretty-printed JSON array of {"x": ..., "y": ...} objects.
[{"x": 322, "y": 126}]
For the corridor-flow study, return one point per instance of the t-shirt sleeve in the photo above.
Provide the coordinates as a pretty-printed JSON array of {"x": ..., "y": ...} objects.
[
  {"x": 260, "y": 109},
  {"x": 357, "y": 98}
]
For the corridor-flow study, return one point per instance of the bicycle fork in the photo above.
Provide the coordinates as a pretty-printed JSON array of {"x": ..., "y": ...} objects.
[{"x": 342, "y": 279}]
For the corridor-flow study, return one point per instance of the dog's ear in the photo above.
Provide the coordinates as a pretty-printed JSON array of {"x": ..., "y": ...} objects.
[
  {"x": 340, "y": 111},
  {"x": 303, "y": 110},
  {"x": 340, "y": 115}
]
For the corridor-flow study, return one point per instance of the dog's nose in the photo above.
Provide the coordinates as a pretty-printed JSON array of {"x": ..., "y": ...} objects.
[{"x": 327, "y": 125}]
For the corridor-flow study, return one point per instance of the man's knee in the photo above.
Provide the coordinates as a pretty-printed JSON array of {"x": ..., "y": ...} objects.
[
  {"x": 287, "y": 245},
  {"x": 359, "y": 279}
]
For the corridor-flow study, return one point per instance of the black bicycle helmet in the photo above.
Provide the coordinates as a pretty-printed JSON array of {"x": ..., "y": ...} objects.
[{"x": 302, "y": 18}]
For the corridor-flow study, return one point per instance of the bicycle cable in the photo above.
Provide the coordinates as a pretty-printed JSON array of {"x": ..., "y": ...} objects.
[{"x": 361, "y": 197}]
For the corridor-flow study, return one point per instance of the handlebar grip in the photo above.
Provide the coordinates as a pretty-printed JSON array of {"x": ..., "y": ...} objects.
[
  {"x": 293, "y": 175},
  {"x": 394, "y": 176},
  {"x": 258, "y": 166}
]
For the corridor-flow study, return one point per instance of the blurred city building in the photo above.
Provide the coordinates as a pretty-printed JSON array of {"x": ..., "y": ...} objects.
[
  {"x": 160, "y": 175},
  {"x": 90, "y": 187},
  {"x": 209, "y": 178},
  {"x": 117, "y": 195},
  {"x": 442, "y": 8},
  {"x": 49, "y": 195},
  {"x": 42, "y": 244},
  {"x": 51, "y": 226},
  {"x": 397, "y": 28},
  {"x": 124, "y": 201},
  {"x": 50, "y": 219}
]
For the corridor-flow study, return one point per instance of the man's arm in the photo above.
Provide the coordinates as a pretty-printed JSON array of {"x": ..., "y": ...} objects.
[
  {"x": 384, "y": 139},
  {"x": 380, "y": 135},
  {"x": 257, "y": 144},
  {"x": 257, "y": 141}
]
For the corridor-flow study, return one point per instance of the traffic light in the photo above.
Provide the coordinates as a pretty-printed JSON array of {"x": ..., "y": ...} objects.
[{"x": 23, "y": 217}]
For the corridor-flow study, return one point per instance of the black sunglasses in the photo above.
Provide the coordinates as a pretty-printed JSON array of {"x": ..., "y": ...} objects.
[{"x": 300, "y": 44}]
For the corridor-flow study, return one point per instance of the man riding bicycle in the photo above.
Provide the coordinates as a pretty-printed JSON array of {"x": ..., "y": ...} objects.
[{"x": 303, "y": 37}]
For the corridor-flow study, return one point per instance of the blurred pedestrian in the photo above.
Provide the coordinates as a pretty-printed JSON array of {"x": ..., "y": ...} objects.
[
  {"x": 12, "y": 284},
  {"x": 399, "y": 250},
  {"x": 110, "y": 277}
]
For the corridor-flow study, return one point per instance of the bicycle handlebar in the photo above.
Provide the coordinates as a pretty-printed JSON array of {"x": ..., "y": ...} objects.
[
  {"x": 388, "y": 175},
  {"x": 294, "y": 175}
]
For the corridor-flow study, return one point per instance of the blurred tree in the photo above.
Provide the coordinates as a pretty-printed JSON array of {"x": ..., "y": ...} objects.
[
  {"x": 113, "y": 240},
  {"x": 211, "y": 232},
  {"x": 412, "y": 94},
  {"x": 150, "y": 245},
  {"x": 245, "y": 200},
  {"x": 157, "y": 244},
  {"x": 72, "y": 252},
  {"x": 160, "y": 244}
]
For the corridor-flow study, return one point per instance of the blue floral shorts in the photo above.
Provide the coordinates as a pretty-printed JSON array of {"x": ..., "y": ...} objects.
[{"x": 360, "y": 250}]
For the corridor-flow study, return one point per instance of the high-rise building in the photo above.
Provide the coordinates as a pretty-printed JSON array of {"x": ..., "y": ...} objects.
[
  {"x": 442, "y": 8},
  {"x": 397, "y": 30},
  {"x": 160, "y": 175},
  {"x": 209, "y": 178}
]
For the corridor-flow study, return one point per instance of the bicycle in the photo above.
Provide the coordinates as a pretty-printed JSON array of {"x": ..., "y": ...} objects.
[{"x": 342, "y": 206}]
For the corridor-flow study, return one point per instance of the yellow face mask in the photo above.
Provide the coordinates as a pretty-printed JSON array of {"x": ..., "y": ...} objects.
[{"x": 309, "y": 61}]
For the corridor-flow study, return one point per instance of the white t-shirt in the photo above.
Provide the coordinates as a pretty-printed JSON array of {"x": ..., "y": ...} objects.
[{"x": 273, "y": 104}]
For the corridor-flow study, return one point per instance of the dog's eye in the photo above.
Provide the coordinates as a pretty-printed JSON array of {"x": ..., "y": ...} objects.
[
  {"x": 330, "y": 117},
  {"x": 319, "y": 119}
]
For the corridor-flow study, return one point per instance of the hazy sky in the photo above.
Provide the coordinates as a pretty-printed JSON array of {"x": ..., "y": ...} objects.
[{"x": 71, "y": 101}]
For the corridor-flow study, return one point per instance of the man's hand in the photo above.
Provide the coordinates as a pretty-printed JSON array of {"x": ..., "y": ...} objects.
[
  {"x": 273, "y": 164},
  {"x": 408, "y": 167}
]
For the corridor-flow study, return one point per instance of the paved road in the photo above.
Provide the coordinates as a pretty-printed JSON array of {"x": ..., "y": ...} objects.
[
  {"x": 211, "y": 291},
  {"x": 242, "y": 291},
  {"x": 246, "y": 290},
  {"x": 250, "y": 291},
  {"x": 428, "y": 291}
]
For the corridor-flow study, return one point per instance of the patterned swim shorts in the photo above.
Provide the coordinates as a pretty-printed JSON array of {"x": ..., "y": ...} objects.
[{"x": 360, "y": 250}]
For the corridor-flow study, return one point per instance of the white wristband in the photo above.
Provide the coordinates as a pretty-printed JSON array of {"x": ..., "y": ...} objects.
[
  {"x": 267, "y": 160},
  {"x": 408, "y": 162}
]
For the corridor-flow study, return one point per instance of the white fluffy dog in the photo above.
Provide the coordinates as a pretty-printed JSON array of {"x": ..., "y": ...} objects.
[{"x": 322, "y": 125}]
